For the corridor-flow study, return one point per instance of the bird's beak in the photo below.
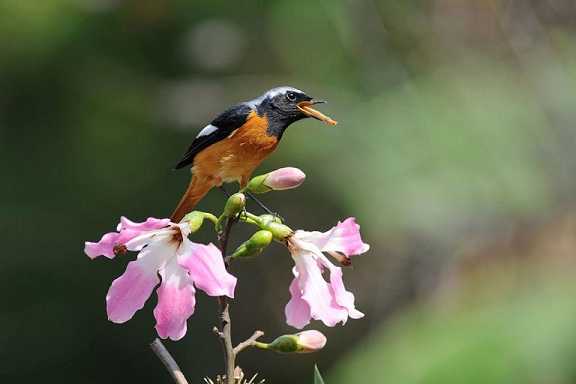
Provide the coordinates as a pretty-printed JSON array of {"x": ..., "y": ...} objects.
[{"x": 306, "y": 108}]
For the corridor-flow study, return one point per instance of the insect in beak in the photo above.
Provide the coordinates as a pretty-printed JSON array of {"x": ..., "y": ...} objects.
[{"x": 306, "y": 108}]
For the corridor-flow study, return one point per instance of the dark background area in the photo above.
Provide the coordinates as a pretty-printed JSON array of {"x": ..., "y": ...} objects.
[{"x": 454, "y": 150}]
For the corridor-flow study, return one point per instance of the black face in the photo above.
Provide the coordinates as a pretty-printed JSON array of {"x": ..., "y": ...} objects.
[{"x": 286, "y": 103}]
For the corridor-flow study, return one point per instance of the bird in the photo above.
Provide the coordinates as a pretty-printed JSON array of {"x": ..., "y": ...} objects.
[{"x": 234, "y": 144}]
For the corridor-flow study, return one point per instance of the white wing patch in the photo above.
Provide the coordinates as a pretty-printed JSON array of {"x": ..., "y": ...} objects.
[{"x": 207, "y": 130}]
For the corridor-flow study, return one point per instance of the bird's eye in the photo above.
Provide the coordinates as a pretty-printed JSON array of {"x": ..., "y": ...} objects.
[{"x": 291, "y": 96}]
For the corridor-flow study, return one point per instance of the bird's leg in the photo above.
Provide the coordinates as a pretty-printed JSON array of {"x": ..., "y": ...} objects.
[
  {"x": 260, "y": 204},
  {"x": 223, "y": 189},
  {"x": 255, "y": 199}
]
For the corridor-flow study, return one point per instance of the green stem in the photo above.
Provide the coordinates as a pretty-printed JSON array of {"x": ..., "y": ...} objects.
[
  {"x": 251, "y": 218},
  {"x": 210, "y": 217},
  {"x": 260, "y": 345}
]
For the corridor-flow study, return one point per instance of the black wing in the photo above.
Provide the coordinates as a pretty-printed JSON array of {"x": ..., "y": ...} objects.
[{"x": 225, "y": 124}]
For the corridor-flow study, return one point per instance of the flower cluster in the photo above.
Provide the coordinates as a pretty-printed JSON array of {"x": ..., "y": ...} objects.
[{"x": 170, "y": 262}]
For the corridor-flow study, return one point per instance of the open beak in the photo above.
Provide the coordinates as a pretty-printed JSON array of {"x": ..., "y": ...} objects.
[{"x": 306, "y": 108}]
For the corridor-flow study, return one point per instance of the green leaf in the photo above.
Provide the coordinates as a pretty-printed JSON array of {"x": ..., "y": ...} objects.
[{"x": 317, "y": 376}]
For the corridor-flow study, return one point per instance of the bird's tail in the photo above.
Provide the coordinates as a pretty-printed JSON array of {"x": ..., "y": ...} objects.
[{"x": 197, "y": 189}]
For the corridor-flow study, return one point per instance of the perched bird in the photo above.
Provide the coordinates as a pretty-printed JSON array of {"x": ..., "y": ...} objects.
[{"x": 238, "y": 140}]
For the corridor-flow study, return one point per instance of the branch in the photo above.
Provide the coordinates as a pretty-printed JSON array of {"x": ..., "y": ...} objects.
[
  {"x": 225, "y": 331},
  {"x": 248, "y": 342},
  {"x": 168, "y": 361}
]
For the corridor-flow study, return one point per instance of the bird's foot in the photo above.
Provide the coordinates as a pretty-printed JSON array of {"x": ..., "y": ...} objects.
[
  {"x": 223, "y": 189},
  {"x": 259, "y": 203}
]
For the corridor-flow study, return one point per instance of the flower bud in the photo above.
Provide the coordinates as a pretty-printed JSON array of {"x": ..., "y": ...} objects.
[
  {"x": 266, "y": 219},
  {"x": 284, "y": 178},
  {"x": 303, "y": 342},
  {"x": 311, "y": 341},
  {"x": 256, "y": 184},
  {"x": 280, "y": 231},
  {"x": 278, "y": 180},
  {"x": 235, "y": 204},
  {"x": 254, "y": 245},
  {"x": 195, "y": 220}
]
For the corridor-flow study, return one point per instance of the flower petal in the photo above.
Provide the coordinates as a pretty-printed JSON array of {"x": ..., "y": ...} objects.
[
  {"x": 343, "y": 297},
  {"x": 104, "y": 247},
  {"x": 316, "y": 291},
  {"x": 176, "y": 302},
  {"x": 297, "y": 310},
  {"x": 136, "y": 243},
  {"x": 148, "y": 225},
  {"x": 129, "y": 292},
  {"x": 344, "y": 237},
  {"x": 206, "y": 267},
  {"x": 127, "y": 231}
]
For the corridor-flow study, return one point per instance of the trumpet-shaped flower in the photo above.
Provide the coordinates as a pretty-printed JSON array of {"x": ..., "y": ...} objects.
[
  {"x": 312, "y": 297},
  {"x": 168, "y": 257}
]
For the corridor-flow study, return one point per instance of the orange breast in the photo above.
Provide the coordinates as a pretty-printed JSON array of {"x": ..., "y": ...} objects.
[{"x": 236, "y": 157}]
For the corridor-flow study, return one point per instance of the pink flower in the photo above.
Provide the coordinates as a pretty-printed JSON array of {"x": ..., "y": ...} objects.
[
  {"x": 312, "y": 297},
  {"x": 113, "y": 242},
  {"x": 284, "y": 178},
  {"x": 165, "y": 251}
]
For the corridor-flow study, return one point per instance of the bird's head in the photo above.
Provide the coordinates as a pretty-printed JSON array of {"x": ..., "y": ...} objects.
[{"x": 291, "y": 104}]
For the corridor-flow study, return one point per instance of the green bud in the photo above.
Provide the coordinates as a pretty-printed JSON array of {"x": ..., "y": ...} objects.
[
  {"x": 256, "y": 185},
  {"x": 234, "y": 205},
  {"x": 280, "y": 231},
  {"x": 254, "y": 245},
  {"x": 195, "y": 220},
  {"x": 261, "y": 239},
  {"x": 284, "y": 344},
  {"x": 267, "y": 219}
]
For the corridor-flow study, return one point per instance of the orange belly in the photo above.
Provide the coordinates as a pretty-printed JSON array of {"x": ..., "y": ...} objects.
[{"x": 238, "y": 155}]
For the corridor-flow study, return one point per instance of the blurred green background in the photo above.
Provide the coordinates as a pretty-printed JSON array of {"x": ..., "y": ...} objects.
[{"x": 454, "y": 149}]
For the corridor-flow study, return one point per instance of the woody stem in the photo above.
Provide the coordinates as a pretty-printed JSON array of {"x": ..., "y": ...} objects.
[
  {"x": 168, "y": 361},
  {"x": 225, "y": 331}
]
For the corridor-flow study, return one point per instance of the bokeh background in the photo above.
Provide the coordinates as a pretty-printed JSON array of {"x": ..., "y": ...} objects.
[{"x": 455, "y": 151}]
